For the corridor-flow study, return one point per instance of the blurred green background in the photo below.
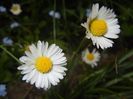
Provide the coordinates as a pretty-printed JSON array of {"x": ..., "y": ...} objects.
[{"x": 112, "y": 79}]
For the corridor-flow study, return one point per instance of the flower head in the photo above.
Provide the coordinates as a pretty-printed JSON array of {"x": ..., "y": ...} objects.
[
  {"x": 55, "y": 14},
  {"x": 91, "y": 58},
  {"x": 2, "y": 9},
  {"x": 16, "y": 9},
  {"x": 102, "y": 26},
  {"x": 43, "y": 65},
  {"x": 7, "y": 41},
  {"x": 14, "y": 25},
  {"x": 3, "y": 90}
]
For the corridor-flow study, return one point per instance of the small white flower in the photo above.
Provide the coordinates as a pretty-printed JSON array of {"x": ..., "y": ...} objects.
[
  {"x": 14, "y": 25},
  {"x": 54, "y": 14},
  {"x": 7, "y": 41},
  {"x": 102, "y": 26},
  {"x": 91, "y": 58},
  {"x": 88, "y": 11},
  {"x": 2, "y": 9},
  {"x": 43, "y": 65},
  {"x": 16, "y": 9}
]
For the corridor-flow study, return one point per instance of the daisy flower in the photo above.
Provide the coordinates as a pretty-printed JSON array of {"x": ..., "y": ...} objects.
[
  {"x": 102, "y": 26},
  {"x": 16, "y": 9},
  {"x": 91, "y": 58},
  {"x": 43, "y": 65}
]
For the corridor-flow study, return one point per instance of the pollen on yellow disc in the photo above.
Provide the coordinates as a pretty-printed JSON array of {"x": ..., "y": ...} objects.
[
  {"x": 98, "y": 27},
  {"x": 43, "y": 64},
  {"x": 15, "y": 7},
  {"x": 90, "y": 56}
]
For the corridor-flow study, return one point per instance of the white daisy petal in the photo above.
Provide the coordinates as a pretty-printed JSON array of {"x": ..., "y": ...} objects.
[
  {"x": 30, "y": 76},
  {"x": 39, "y": 47},
  {"x": 25, "y": 77},
  {"x": 56, "y": 57},
  {"x": 59, "y": 75},
  {"x": 114, "y": 31},
  {"x": 28, "y": 54},
  {"x": 25, "y": 67},
  {"x": 94, "y": 12},
  {"x": 109, "y": 35},
  {"x": 49, "y": 85},
  {"x": 84, "y": 25},
  {"x": 59, "y": 62},
  {"x": 56, "y": 79},
  {"x": 33, "y": 80},
  {"x": 50, "y": 49},
  {"x": 51, "y": 79},
  {"x": 45, "y": 48},
  {"x": 112, "y": 21},
  {"x": 22, "y": 67},
  {"x": 55, "y": 49},
  {"x": 42, "y": 48},
  {"x": 33, "y": 48},
  {"x": 44, "y": 82},
  {"x": 103, "y": 42},
  {"x": 26, "y": 71},
  {"x": 39, "y": 80},
  {"x": 24, "y": 59},
  {"x": 59, "y": 69},
  {"x": 61, "y": 59}
]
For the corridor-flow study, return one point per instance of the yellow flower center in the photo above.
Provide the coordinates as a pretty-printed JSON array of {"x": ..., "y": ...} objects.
[
  {"x": 43, "y": 64},
  {"x": 15, "y": 7},
  {"x": 90, "y": 56},
  {"x": 98, "y": 27}
]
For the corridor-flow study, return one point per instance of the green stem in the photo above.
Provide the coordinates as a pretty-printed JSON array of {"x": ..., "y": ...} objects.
[
  {"x": 10, "y": 54},
  {"x": 73, "y": 55},
  {"x": 64, "y": 11},
  {"x": 27, "y": 93},
  {"x": 54, "y": 23}
]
